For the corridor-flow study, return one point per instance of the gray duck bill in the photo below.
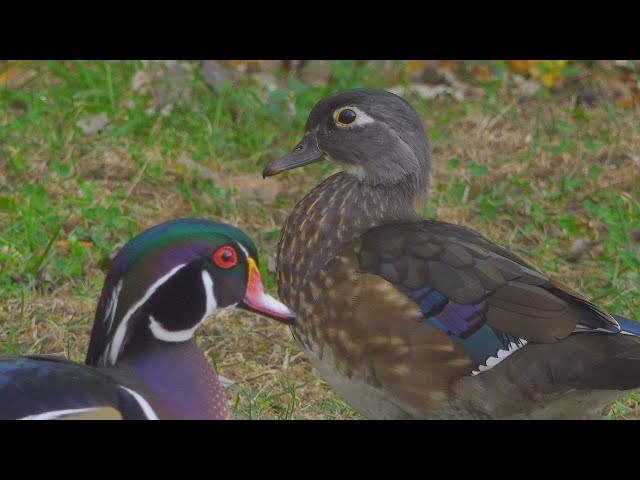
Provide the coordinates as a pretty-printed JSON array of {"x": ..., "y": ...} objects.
[{"x": 304, "y": 153}]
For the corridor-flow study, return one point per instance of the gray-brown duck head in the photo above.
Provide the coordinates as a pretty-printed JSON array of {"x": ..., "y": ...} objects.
[{"x": 373, "y": 134}]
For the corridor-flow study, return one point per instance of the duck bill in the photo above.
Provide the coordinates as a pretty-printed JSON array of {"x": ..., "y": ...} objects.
[
  {"x": 306, "y": 152},
  {"x": 255, "y": 300}
]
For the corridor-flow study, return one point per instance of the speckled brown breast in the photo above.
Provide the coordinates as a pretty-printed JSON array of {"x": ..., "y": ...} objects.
[{"x": 334, "y": 213}]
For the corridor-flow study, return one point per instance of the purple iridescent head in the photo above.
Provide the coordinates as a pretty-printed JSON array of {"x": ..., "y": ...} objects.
[{"x": 170, "y": 278}]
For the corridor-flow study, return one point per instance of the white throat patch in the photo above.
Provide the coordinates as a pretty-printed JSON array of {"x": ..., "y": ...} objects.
[
  {"x": 355, "y": 170},
  {"x": 162, "y": 333}
]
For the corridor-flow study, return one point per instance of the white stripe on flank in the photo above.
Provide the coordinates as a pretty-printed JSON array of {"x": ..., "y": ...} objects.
[
  {"x": 162, "y": 333},
  {"x": 146, "y": 408},
  {"x": 52, "y": 415},
  {"x": 500, "y": 356},
  {"x": 118, "y": 338}
]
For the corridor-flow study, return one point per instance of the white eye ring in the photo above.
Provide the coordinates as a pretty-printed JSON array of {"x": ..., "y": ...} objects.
[{"x": 361, "y": 120}]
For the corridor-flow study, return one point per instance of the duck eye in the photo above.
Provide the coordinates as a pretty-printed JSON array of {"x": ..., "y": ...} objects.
[
  {"x": 225, "y": 257},
  {"x": 346, "y": 116}
]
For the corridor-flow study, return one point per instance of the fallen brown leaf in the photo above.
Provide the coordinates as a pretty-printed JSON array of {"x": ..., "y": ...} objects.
[
  {"x": 214, "y": 74},
  {"x": 93, "y": 123},
  {"x": 578, "y": 248},
  {"x": 522, "y": 66},
  {"x": 15, "y": 73},
  {"x": 66, "y": 243}
]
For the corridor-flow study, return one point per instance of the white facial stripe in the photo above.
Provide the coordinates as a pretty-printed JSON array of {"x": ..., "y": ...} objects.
[
  {"x": 244, "y": 250},
  {"x": 146, "y": 408},
  {"x": 57, "y": 413},
  {"x": 272, "y": 304},
  {"x": 212, "y": 304},
  {"x": 162, "y": 333},
  {"x": 118, "y": 338},
  {"x": 361, "y": 120},
  {"x": 113, "y": 306},
  {"x": 500, "y": 356}
]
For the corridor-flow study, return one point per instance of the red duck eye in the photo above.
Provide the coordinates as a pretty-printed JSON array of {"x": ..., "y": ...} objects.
[{"x": 225, "y": 257}]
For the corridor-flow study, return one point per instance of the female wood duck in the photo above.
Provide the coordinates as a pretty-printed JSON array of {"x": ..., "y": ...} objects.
[
  {"x": 142, "y": 361},
  {"x": 413, "y": 318}
]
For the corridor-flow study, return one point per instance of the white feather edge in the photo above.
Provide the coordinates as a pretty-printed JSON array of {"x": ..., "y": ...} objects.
[
  {"x": 144, "y": 405},
  {"x": 500, "y": 356}
]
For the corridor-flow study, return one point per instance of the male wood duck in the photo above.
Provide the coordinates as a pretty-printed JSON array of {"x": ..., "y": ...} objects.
[
  {"x": 412, "y": 318},
  {"x": 142, "y": 361}
]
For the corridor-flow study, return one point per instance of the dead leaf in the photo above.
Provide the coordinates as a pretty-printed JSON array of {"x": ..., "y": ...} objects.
[
  {"x": 203, "y": 171},
  {"x": 141, "y": 82},
  {"x": 170, "y": 85},
  {"x": 634, "y": 158},
  {"x": 415, "y": 69},
  {"x": 522, "y": 66},
  {"x": 620, "y": 93},
  {"x": 15, "y": 73},
  {"x": 578, "y": 248},
  {"x": 44, "y": 280},
  {"x": 582, "y": 223},
  {"x": 265, "y": 79},
  {"x": 215, "y": 75},
  {"x": 526, "y": 88},
  {"x": 93, "y": 123},
  {"x": 427, "y": 91},
  {"x": 482, "y": 73},
  {"x": 449, "y": 65},
  {"x": 248, "y": 66},
  {"x": 315, "y": 72}
]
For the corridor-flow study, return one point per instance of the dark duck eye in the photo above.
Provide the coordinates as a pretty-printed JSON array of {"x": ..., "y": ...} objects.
[
  {"x": 346, "y": 116},
  {"x": 225, "y": 257}
]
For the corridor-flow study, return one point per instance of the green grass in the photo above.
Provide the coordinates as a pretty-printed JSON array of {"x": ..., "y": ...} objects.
[{"x": 533, "y": 175}]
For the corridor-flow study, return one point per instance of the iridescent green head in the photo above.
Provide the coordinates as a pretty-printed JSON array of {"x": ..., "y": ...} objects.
[{"x": 166, "y": 281}]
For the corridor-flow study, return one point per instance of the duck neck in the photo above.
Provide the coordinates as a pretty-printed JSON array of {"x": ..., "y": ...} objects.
[
  {"x": 176, "y": 378},
  {"x": 333, "y": 214}
]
